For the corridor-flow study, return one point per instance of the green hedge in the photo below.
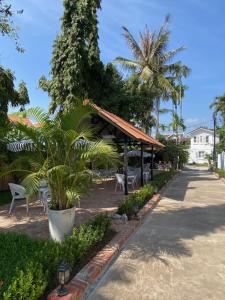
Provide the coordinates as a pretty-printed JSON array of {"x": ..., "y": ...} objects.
[
  {"x": 220, "y": 172},
  {"x": 28, "y": 267},
  {"x": 138, "y": 199}
]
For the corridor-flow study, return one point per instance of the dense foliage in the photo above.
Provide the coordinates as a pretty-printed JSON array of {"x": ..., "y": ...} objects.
[
  {"x": 137, "y": 200},
  {"x": 9, "y": 94},
  {"x": 174, "y": 153},
  {"x": 28, "y": 267},
  {"x": 76, "y": 69},
  {"x": 219, "y": 109},
  {"x": 7, "y": 27}
]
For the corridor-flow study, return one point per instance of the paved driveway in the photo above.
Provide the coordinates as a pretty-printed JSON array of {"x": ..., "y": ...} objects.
[{"x": 179, "y": 252}]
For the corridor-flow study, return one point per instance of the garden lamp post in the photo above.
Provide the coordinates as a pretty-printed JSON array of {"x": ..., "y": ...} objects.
[{"x": 63, "y": 278}]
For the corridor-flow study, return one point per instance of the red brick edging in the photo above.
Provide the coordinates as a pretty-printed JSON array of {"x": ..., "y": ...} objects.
[{"x": 82, "y": 282}]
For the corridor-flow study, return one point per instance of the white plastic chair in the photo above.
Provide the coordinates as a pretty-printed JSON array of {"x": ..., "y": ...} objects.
[
  {"x": 44, "y": 194},
  {"x": 119, "y": 181},
  {"x": 18, "y": 193},
  {"x": 132, "y": 180}
]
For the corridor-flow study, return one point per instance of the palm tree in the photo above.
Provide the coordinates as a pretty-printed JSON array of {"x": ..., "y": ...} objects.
[
  {"x": 176, "y": 123},
  {"x": 63, "y": 148},
  {"x": 151, "y": 62}
]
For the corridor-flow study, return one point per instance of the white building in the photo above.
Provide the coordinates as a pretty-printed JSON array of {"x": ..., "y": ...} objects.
[{"x": 201, "y": 143}]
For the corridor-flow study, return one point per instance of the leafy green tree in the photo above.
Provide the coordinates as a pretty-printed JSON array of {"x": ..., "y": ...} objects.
[
  {"x": 152, "y": 63},
  {"x": 173, "y": 153},
  {"x": 9, "y": 95},
  {"x": 7, "y": 27},
  {"x": 76, "y": 69},
  {"x": 218, "y": 106},
  {"x": 114, "y": 93}
]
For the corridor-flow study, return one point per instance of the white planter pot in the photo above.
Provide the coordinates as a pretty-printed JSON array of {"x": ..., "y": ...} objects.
[{"x": 61, "y": 223}]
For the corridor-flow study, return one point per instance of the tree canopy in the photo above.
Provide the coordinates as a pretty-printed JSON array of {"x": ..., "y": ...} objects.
[
  {"x": 7, "y": 27},
  {"x": 152, "y": 63},
  {"x": 10, "y": 95},
  {"x": 76, "y": 69}
]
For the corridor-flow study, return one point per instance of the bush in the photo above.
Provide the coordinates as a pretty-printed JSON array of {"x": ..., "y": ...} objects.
[
  {"x": 138, "y": 199},
  {"x": 28, "y": 267},
  {"x": 220, "y": 172}
]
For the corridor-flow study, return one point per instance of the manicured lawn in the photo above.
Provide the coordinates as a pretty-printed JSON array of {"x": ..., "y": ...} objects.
[{"x": 5, "y": 197}]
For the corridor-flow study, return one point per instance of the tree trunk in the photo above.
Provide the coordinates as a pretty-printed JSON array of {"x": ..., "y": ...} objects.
[{"x": 157, "y": 108}]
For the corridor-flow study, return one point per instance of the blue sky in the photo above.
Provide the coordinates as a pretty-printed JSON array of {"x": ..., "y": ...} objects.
[{"x": 196, "y": 24}]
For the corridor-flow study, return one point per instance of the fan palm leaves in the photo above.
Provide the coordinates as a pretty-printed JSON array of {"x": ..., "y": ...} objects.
[
  {"x": 152, "y": 62},
  {"x": 63, "y": 149}
]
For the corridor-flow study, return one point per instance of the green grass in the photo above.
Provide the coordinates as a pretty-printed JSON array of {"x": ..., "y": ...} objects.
[{"x": 5, "y": 197}]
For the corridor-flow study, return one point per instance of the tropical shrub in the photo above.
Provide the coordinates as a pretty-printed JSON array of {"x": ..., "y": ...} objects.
[
  {"x": 28, "y": 267},
  {"x": 137, "y": 200},
  {"x": 63, "y": 149}
]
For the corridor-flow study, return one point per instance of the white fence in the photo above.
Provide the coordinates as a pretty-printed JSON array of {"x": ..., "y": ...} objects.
[{"x": 221, "y": 161}]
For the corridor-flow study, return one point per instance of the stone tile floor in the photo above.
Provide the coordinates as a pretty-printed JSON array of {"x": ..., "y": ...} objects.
[{"x": 101, "y": 198}]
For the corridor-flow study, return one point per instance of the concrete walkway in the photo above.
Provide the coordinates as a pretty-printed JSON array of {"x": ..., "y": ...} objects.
[{"x": 179, "y": 252}]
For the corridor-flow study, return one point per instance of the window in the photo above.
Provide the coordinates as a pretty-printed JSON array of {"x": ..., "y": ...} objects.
[
  {"x": 195, "y": 139},
  {"x": 200, "y": 139},
  {"x": 207, "y": 139},
  {"x": 201, "y": 154}
]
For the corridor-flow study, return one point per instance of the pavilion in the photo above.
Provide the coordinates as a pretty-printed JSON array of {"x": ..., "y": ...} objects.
[{"x": 124, "y": 134}]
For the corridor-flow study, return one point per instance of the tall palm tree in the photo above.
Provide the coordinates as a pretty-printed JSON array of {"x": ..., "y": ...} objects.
[{"x": 151, "y": 61}]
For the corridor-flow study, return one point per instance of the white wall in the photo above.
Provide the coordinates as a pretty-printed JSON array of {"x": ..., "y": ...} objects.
[{"x": 221, "y": 161}]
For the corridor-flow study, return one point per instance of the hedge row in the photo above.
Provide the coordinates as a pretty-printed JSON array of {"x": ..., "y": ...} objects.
[
  {"x": 137, "y": 200},
  {"x": 28, "y": 267}
]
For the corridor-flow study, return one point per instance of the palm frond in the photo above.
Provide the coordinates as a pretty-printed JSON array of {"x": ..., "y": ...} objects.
[
  {"x": 135, "y": 48},
  {"x": 170, "y": 54},
  {"x": 38, "y": 114},
  {"x": 73, "y": 118},
  {"x": 127, "y": 63}
]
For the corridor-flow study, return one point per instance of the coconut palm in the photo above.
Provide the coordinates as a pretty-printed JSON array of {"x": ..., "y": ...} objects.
[
  {"x": 63, "y": 148},
  {"x": 151, "y": 62}
]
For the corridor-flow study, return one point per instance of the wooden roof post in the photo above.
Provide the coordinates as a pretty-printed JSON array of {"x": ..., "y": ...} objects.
[
  {"x": 152, "y": 162},
  {"x": 125, "y": 168},
  {"x": 142, "y": 165}
]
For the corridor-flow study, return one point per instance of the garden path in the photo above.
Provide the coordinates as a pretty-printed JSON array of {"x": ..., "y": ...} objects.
[{"x": 178, "y": 253}]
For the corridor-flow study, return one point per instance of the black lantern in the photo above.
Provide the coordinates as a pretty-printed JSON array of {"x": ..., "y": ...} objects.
[{"x": 63, "y": 278}]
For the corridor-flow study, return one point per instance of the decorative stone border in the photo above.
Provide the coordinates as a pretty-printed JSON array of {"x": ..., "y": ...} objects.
[{"x": 83, "y": 281}]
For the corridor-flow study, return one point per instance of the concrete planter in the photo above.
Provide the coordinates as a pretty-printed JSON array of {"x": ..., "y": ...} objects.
[{"x": 61, "y": 223}]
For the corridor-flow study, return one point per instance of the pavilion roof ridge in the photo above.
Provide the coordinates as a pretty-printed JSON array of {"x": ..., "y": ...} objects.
[{"x": 125, "y": 126}]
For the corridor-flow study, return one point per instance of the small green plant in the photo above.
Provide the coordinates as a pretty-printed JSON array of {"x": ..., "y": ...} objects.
[{"x": 28, "y": 267}]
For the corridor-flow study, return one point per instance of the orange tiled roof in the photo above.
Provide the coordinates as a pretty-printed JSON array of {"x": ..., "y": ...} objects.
[
  {"x": 15, "y": 119},
  {"x": 126, "y": 127}
]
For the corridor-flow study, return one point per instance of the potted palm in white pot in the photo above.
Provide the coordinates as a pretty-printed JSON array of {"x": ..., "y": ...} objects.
[{"x": 63, "y": 148}]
